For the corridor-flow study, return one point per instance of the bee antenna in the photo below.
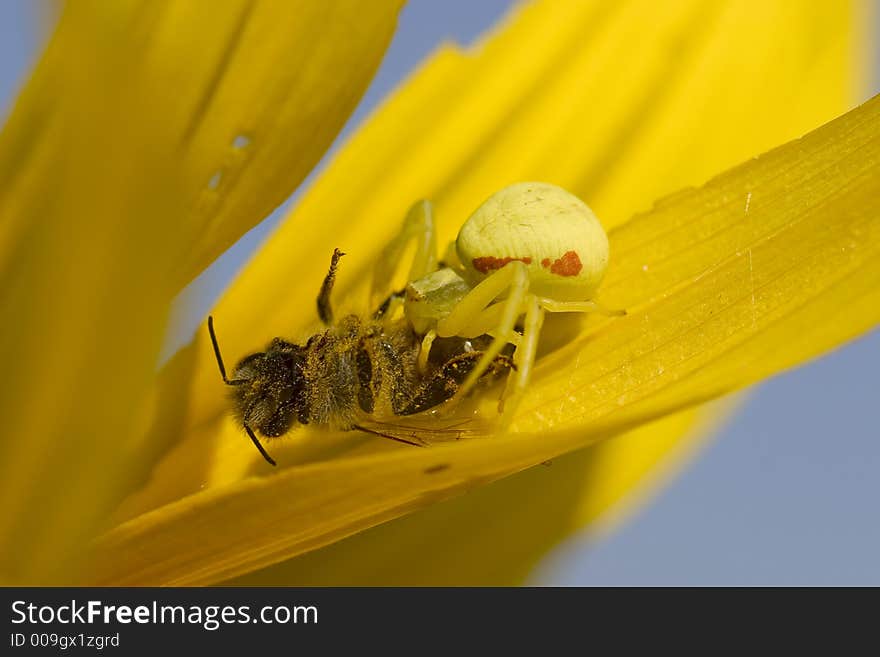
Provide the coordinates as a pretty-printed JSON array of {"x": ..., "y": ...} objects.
[
  {"x": 234, "y": 382},
  {"x": 259, "y": 446}
]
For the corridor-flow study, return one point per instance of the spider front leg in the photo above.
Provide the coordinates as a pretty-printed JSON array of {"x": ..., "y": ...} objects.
[
  {"x": 418, "y": 225},
  {"x": 524, "y": 357},
  {"x": 475, "y": 314},
  {"x": 523, "y": 360},
  {"x": 552, "y": 306}
]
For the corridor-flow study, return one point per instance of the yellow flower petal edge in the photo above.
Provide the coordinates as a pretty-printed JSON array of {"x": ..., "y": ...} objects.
[
  {"x": 766, "y": 266},
  {"x": 252, "y": 94},
  {"x": 493, "y": 535},
  {"x": 274, "y": 90}
]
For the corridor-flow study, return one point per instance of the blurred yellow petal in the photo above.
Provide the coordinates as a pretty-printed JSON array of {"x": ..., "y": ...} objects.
[
  {"x": 252, "y": 94},
  {"x": 558, "y": 93},
  {"x": 265, "y": 90},
  {"x": 150, "y": 137},
  {"x": 766, "y": 266},
  {"x": 86, "y": 202}
]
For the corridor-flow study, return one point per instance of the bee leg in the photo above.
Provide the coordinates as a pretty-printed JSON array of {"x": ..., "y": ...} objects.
[
  {"x": 385, "y": 306},
  {"x": 449, "y": 378},
  {"x": 325, "y": 311},
  {"x": 418, "y": 225}
]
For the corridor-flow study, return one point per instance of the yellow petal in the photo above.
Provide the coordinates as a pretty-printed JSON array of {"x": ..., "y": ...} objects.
[
  {"x": 652, "y": 123},
  {"x": 111, "y": 199},
  {"x": 83, "y": 297},
  {"x": 493, "y": 535},
  {"x": 265, "y": 89},
  {"x": 620, "y": 125},
  {"x": 252, "y": 94},
  {"x": 770, "y": 264}
]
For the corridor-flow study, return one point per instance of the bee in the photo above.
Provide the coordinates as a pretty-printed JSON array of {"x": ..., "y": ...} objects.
[
  {"x": 353, "y": 370},
  {"x": 466, "y": 320}
]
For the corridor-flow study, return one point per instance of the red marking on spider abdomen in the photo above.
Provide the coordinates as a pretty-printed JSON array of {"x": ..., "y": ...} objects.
[
  {"x": 568, "y": 265},
  {"x": 488, "y": 263}
]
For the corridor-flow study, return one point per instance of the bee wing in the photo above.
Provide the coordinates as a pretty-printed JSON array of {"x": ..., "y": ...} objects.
[{"x": 425, "y": 429}]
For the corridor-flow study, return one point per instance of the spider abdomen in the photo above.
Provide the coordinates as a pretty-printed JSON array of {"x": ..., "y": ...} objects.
[{"x": 551, "y": 231}]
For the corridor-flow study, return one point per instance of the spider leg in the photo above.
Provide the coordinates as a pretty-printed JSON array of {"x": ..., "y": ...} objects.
[
  {"x": 468, "y": 318},
  {"x": 552, "y": 306},
  {"x": 418, "y": 225},
  {"x": 425, "y": 350},
  {"x": 524, "y": 360},
  {"x": 524, "y": 357}
]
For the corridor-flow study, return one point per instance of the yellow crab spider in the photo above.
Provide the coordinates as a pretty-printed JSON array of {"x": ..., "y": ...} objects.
[{"x": 530, "y": 248}]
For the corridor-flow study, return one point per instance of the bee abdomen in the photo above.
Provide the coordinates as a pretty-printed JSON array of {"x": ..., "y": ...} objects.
[
  {"x": 447, "y": 380},
  {"x": 364, "y": 366},
  {"x": 393, "y": 375}
]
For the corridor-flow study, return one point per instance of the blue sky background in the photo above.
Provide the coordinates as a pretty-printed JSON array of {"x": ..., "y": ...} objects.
[{"x": 786, "y": 493}]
